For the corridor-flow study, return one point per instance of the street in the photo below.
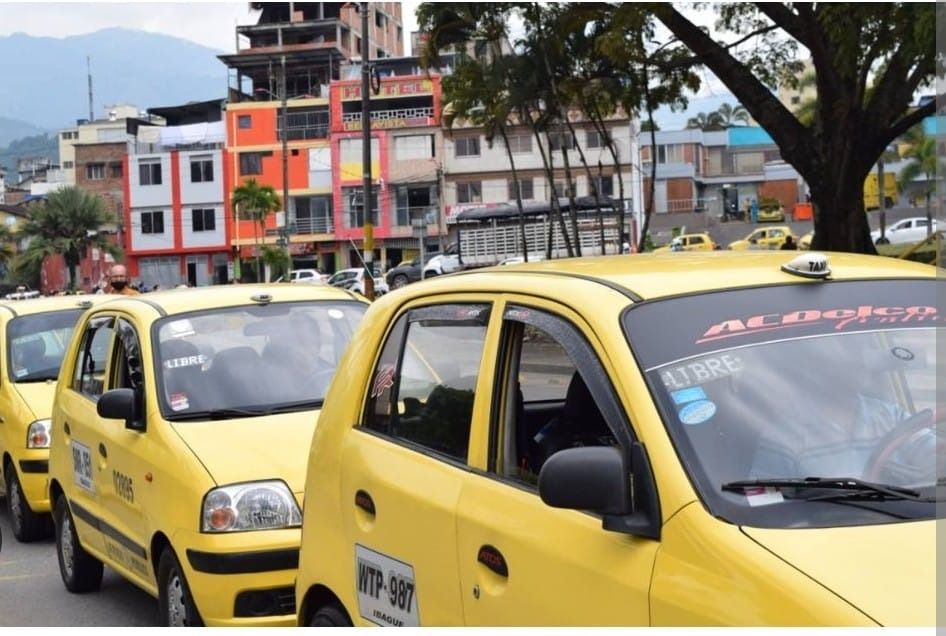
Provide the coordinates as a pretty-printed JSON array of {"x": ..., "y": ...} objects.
[{"x": 32, "y": 593}]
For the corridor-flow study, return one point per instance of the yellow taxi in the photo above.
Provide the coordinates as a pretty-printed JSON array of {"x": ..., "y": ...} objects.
[
  {"x": 34, "y": 335},
  {"x": 180, "y": 434},
  {"x": 804, "y": 243},
  {"x": 763, "y": 238},
  {"x": 698, "y": 242},
  {"x": 771, "y": 212},
  {"x": 703, "y": 439}
]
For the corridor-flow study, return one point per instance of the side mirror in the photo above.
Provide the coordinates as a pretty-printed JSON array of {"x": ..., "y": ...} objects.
[
  {"x": 592, "y": 478},
  {"x": 121, "y": 404}
]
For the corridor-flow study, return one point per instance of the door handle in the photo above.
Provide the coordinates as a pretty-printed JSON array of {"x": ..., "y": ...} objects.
[
  {"x": 493, "y": 559},
  {"x": 102, "y": 450},
  {"x": 364, "y": 501},
  {"x": 65, "y": 427}
]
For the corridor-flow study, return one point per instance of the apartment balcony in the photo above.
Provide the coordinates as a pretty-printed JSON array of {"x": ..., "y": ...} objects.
[
  {"x": 392, "y": 118},
  {"x": 304, "y": 225}
]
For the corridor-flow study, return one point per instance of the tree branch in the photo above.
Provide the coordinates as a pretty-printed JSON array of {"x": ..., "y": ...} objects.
[
  {"x": 910, "y": 120},
  {"x": 784, "y": 18}
]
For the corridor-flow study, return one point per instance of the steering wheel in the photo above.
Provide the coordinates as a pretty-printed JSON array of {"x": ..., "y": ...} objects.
[{"x": 890, "y": 443}]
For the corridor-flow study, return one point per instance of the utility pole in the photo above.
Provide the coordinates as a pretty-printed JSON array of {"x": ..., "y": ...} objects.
[
  {"x": 88, "y": 67},
  {"x": 367, "y": 219},
  {"x": 285, "y": 163}
]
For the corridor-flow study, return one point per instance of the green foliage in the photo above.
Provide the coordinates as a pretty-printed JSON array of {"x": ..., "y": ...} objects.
[
  {"x": 254, "y": 202},
  {"x": 68, "y": 223}
]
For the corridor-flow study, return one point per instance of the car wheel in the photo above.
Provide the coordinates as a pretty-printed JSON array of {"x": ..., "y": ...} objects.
[
  {"x": 399, "y": 281},
  {"x": 27, "y": 525},
  {"x": 80, "y": 571},
  {"x": 883, "y": 240},
  {"x": 330, "y": 616},
  {"x": 174, "y": 595}
]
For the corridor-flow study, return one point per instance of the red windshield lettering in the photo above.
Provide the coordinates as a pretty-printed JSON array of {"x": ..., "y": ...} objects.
[
  {"x": 805, "y": 315},
  {"x": 728, "y": 326},
  {"x": 760, "y": 321}
]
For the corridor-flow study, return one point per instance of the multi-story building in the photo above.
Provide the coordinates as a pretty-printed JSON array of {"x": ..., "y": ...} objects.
[
  {"x": 110, "y": 128},
  {"x": 175, "y": 219},
  {"x": 793, "y": 97},
  {"x": 294, "y": 52}
]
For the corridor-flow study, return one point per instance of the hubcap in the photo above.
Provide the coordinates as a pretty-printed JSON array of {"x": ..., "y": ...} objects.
[
  {"x": 66, "y": 546},
  {"x": 176, "y": 610}
]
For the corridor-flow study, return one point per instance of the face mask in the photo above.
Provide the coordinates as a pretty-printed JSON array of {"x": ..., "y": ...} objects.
[{"x": 118, "y": 285}]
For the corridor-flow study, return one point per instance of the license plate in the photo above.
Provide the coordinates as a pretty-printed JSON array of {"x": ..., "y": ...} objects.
[
  {"x": 386, "y": 592},
  {"x": 82, "y": 466}
]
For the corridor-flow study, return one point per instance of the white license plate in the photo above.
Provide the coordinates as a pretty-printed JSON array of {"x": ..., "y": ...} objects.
[
  {"x": 386, "y": 592},
  {"x": 82, "y": 466}
]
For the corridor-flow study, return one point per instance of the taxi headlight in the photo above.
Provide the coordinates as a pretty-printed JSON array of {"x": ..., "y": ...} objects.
[
  {"x": 37, "y": 435},
  {"x": 259, "y": 505}
]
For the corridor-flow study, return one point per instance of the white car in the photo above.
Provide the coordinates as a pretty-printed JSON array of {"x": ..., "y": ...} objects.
[
  {"x": 910, "y": 230},
  {"x": 442, "y": 264},
  {"x": 354, "y": 279},
  {"x": 515, "y": 260},
  {"x": 307, "y": 276}
]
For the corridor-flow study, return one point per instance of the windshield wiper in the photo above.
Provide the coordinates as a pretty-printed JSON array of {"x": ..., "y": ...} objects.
[
  {"x": 233, "y": 413},
  {"x": 852, "y": 486}
]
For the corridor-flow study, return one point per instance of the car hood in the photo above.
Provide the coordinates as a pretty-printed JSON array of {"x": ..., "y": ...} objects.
[
  {"x": 887, "y": 571},
  {"x": 255, "y": 448},
  {"x": 38, "y": 396}
]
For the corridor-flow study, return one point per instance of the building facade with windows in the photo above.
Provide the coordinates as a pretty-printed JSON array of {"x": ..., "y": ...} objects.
[
  {"x": 111, "y": 128},
  {"x": 177, "y": 228}
]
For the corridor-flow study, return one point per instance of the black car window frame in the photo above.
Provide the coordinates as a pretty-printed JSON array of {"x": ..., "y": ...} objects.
[{"x": 92, "y": 327}]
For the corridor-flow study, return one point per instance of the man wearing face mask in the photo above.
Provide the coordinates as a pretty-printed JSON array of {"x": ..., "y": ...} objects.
[{"x": 118, "y": 282}]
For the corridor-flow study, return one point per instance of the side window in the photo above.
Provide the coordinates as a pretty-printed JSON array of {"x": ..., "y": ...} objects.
[
  {"x": 553, "y": 395},
  {"x": 422, "y": 390},
  {"x": 93, "y": 354},
  {"x": 127, "y": 372},
  {"x": 696, "y": 240}
]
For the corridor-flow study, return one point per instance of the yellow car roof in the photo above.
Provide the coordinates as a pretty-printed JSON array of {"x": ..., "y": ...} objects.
[
  {"x": 175, "y": 301},
  {"x": 659, "y": 275},
  {"x": 53, "y": 303}
]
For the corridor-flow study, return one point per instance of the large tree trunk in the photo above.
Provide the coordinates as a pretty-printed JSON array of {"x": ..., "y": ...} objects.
[
  {"x": 553, "y": 200},
  {"x": 649, "y": 210},
  {"x": 837, "y": 196},
  {"x": 591, "y": 184}
]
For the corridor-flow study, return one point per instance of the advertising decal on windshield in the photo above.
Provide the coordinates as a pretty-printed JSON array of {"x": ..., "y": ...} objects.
[
  {"x": 697, "y": 412},
  {"x": 383, "y": 380},
  {"x": 682, "y": 376}
]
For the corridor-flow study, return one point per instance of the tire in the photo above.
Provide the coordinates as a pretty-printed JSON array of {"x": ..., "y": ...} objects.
[
  {"x": 399, "y": 281},
  {"x": 883, "y": 240},
  {"x": 27, "y": 525},
  {"x": 174, "y": 595},
  {"x": 80, "y": 571},
  {"x": 330, "y": 616}
]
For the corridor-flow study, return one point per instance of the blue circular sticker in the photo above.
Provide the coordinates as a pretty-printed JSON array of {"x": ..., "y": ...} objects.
[{"x": 697, "y": 412}]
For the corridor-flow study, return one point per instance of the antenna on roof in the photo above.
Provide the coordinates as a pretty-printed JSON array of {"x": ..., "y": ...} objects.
[{"x": 88, "y": 66}]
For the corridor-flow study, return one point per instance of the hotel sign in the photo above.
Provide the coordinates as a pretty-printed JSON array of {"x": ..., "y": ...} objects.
[{"x": 402, "y": 88}]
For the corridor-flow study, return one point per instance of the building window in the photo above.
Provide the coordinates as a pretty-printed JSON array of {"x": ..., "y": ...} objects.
[
  {"x": 304, "y": 123},
  {"x": 561, "y": 191},
  {"x": 203, "y": 219},
  {"x": 115, "y": 170},
  {"x": 595, "y": 139},
  {"x": 314, "y": 215},
  {"x": 69, "y": 134},
  {"x": 149, "y": 173},
  {"x": 796, "y": 99},
  {"x": 557, "y": 140},
  {"x": 68, "y": 165},
  {"x": 525, "y": 189},
  {"x": 252, "y": 162},
  {"x": 379, "y": 19},
  {"x": 470, "y": 192},
  {"x": 357, "y": 46},
  {"x": 416, "y": 201},
  {"x": 245, "y": 121},
  {"x": 605, "y": 186},
  {"x": 519, "y": 144},
  {"x": 467, "y": 147},
  {"x": 353, "y": 206},
  {"x": 95, "y": 171},
  {"x": 152, "y": 222},
  {"x": 202, "y": 169},
  {"x": 670, "y": 153},
  {"x": 748, "y": 162},
  {"x": 414, "y": 147}
]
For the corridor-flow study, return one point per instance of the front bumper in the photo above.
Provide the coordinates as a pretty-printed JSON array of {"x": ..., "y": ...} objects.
[
  {"x": 245, "y": 578},
  {"x": 33, "y": 471}
]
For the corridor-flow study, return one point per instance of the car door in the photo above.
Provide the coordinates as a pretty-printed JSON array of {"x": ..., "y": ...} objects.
[
  {"x": 405, "y": 464},
  {"x": 125, "y": 460},
  {"x": 74, "y": 414},
  {"x": 774, "y": 238},
  {"x": 521, "y": 561}
]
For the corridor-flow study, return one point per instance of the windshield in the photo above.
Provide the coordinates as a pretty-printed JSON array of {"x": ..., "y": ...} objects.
[
  {"x": 843, "y": 392},
  {"x": 36, "y": 344},
  {"x": 345, "y": 275},
  {"x": 255, "y": 358}
]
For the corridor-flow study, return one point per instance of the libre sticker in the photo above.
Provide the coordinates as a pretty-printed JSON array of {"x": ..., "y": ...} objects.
[
  {"x": 763, "y": 496},
  {"x": 20, "y": 372},
  {"x": 336, "y": 314},
  {"x": 697, "y": 412},
  {"x": 179, "y": 402},
  {"x": 187, "y": 361},
  {"x": 688, "y": 395}
]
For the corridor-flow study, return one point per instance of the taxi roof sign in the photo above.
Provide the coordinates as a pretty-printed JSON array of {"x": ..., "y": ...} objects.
[{"x": 809, "y": 265}]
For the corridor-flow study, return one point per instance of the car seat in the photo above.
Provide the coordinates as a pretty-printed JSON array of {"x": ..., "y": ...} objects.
[{"x": 579, "y": 424}]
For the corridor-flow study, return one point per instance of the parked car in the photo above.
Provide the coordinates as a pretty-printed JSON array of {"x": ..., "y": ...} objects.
[
  {"x": 406, "y": 273},
  {"x": 307, "y": 276},
  {"x": 763, "y": 238},
  {"x": 804, "y": 243},
  {"x": 442, "y": 264},
  {"x": 180, "y": 428},
  {"x": 649, "y": 441},
  {"x": 354, "y": 279},
  {"x": 515, "y": 260},
  {"x": 909, "y": 230},
  {"x": 35, "y": 334},
  {"x": 700, "y": 241},
  {"x": 771, "y": 212}
]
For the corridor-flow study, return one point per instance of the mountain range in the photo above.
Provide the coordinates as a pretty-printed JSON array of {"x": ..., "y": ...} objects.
[{"x": 46, "y": 85}]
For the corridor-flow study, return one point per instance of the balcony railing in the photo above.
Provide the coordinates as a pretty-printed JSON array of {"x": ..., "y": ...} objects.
[
  {"x": 323, "y": 225},
  {"x": 403, "y": 216},
  {"x": 422, "y": 112}
]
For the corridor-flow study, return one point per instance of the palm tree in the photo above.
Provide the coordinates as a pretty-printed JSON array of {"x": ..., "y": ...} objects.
[
  {"x": 706, "y": 121},
  {"x": 254, "y": 202},
  {"x": 923, "y": 160},
  {"x": 68, "y": 224},
  {"x": 728, "y": 116},
  {"x": 7, "y": 248}
]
